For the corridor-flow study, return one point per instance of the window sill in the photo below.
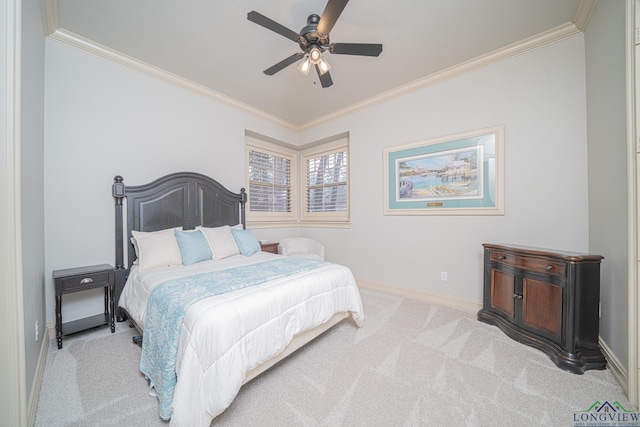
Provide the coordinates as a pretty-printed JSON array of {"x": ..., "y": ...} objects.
[
  {"x": 290, "y": 224},
  {"x": 324, "y": 224}
]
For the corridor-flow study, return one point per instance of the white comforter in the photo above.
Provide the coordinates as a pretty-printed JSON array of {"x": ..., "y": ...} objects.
[{"x": 225, "y": 336}]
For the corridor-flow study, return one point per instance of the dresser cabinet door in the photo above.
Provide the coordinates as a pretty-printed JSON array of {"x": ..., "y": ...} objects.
[
  {"x": 530, "y": 299},
  {"x": 503, "y": 289},
  {"x": 543, "y": 307}
]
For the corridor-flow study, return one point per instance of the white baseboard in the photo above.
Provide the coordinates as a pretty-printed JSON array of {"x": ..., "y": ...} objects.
[
  {"x": 34, "y": 396},
  {"x": 618, "y": 371},
  {"x": 422, "y": 296},
  {"x": 51, "y": 329}
]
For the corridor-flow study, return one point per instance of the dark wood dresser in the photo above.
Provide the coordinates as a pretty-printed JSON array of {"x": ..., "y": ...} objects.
[{"x": 546, "y": 299}]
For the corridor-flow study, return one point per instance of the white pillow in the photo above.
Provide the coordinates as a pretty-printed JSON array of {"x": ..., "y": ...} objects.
[
  {"x": 221, "y": 241},
  {"x": 157, "y": 248}
]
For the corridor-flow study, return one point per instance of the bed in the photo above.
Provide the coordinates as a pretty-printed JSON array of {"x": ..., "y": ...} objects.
[{"x": 211, "y": 323}]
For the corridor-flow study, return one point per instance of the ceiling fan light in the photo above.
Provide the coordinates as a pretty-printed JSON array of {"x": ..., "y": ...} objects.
[
  {"x": 323, "y": 65},
  {"x": 315, "y": 55},
  {"x": 305, "y": 65}
]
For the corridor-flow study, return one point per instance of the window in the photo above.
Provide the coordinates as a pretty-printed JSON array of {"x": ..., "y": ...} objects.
[
  {"x": 326, "y": 184},
  {"x": 271, "y": 191},
  {"x": 300, "y": 186}
]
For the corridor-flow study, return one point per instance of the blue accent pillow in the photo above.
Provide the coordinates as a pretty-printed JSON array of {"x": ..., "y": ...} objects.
[
  {"x": 247, "y": 242},
  {"x": 194, "y": 247}
]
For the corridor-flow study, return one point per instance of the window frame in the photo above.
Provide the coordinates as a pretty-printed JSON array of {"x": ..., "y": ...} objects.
[
  {"x": 326, "y": 149},
  {"x": 274, "y": 150},
  {"x": 296, "y": 155}
]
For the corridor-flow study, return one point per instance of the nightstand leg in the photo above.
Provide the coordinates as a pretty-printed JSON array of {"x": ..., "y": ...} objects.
[
  {"x": 59, "y": 320},
  {"x": 112, "y": 305},
  {"x": 106, "y": 299}
]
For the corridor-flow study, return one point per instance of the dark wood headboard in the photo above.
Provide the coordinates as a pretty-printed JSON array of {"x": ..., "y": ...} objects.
[{"x": 183, "y": 199}]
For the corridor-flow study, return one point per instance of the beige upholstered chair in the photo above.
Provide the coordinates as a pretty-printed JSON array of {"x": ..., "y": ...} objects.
[{"x": 301, "y": 247}]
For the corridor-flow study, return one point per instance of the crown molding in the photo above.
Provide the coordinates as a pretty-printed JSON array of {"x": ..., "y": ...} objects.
[
  {"x": 551, "y": 36},
  {"x": 583, "y": 13},
  {"x": 71, "y": 39},
  {"x": 564, "y": 31},
  {"x": 51, "y": 16}
]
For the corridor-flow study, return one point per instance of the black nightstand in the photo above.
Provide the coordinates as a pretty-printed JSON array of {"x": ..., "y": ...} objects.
[{"x": 82, "y": 279}]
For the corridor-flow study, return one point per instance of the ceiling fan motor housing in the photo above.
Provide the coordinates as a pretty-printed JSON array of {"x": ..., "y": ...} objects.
[{"x": 309, "y": 35}]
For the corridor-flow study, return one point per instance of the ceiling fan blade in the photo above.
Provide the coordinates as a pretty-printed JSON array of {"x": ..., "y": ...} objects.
[
  {"x": 364, "y": 49},
  {"x": 331, "y": 13},
  {"x": 283, "y": 64},
  {"x": 272, "y": 25},
  {"x": 325, "y": 79}
]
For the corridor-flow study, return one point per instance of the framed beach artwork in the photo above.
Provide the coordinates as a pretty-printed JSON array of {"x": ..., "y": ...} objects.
[{"x": 460, "y": 174}]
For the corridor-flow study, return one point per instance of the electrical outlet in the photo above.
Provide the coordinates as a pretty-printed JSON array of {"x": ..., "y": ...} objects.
[
  {"x": 443, "y": 276},
  {"x": 37, "y": 334}
]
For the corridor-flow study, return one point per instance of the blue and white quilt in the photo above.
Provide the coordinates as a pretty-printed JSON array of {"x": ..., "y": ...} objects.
[
  {"x": 169, "y": 302},
  {"x": 224, "y": 337}
]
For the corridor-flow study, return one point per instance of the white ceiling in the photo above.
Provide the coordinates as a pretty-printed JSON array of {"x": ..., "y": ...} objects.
[{"x": 211, "y": 43}]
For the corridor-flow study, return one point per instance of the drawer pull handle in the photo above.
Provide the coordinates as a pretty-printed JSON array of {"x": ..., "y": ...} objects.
[
  {"x": 549, "y": 267},
  {"x": 86, "y": 280},
  {"x": 517, "y": 296},
  {"x": 502, "y": 257}
]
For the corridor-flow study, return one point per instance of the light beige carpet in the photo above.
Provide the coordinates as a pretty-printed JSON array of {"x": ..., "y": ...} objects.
[{"x": 412, "y": 364}]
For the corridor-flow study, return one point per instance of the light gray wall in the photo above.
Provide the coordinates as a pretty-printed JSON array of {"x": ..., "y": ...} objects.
[
  {"x": 32, "y": 181},
  {"x": 540, "y": 99},
  {"x": 607, "y": 144},
  {"x": 103, "y": 120}
]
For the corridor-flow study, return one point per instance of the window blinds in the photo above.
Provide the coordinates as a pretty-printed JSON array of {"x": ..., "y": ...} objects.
[
  {"x": 326, "y": 182},
  {"x": 269, "y": 182}
]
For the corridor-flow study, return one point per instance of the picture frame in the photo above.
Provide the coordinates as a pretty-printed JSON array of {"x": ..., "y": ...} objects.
[{"x": 461, "y": 174}]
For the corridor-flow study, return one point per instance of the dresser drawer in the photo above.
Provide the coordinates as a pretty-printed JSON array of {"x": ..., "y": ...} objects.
[{"x": 528, "y": 263}]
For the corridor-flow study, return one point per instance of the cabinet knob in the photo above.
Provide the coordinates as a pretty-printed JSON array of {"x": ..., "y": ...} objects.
[
  {"x": 502, "y": 257},
  {"x": 517, "y": 296},
  {"x": 86, "y": 280},
  {"x": 549, "y": 267}
]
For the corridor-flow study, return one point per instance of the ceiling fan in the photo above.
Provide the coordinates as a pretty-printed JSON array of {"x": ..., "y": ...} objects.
[{"x": 314, "y": 40}]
